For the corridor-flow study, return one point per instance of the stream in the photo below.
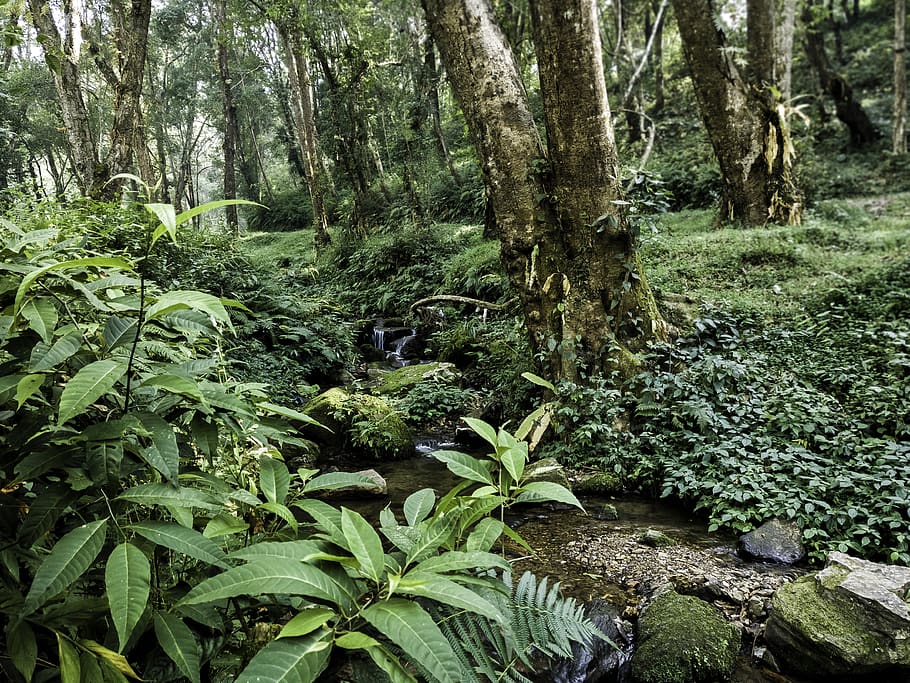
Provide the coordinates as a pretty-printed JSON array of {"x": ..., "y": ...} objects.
[{"x": 602, "y": 558}]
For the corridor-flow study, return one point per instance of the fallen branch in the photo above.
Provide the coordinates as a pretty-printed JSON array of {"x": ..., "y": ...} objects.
[{"x": 457, "y": 299}]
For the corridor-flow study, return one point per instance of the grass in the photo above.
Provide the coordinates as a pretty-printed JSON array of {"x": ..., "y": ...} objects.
[{"x": 772, "y": 273}]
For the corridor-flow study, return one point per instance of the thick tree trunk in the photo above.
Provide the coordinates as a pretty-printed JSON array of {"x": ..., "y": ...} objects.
[
  {"x": 568, "y": 250},
  {"x": 229, "y": 110},
  {"x": 745, "y": 123},
  {"x": 62, "y": 56},
  {"x": 899, "y": 118}
]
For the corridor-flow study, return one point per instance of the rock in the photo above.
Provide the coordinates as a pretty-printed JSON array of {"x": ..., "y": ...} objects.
[
  {"x": 601, "y": 661},
  {"x": 655, "y": 539},
  {"x": 372, "y": 484},
  {"x": 774, "y": 541},
  {"x": 850, "y": 620},
  {"x": 607, "y": 512},
  {"x": 682, "y": 639},
  {"x": 601, "y": 483},
  {"x": 547, "y": 469},
  {"x": 359, "y": 423},
  {"x": 398, "y": 381}
]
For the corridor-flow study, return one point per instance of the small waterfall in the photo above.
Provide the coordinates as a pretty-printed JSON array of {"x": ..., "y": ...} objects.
[{"x": 393, "y": 342}]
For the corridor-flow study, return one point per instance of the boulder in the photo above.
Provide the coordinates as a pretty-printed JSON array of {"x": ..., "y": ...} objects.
[
  {"x": 599, "y": 483},
  {"x": 774, "y": 541},
  {"x": 682, "y": 639},
  {"x": 600, "y": 661},
  {"x": 397, "y": 382},
  {"x": 359, "y": 424},
  {"x": 656, "y": 539},
  {"x": 850, "y": 621},
  {"x": 547, "y": 469}
]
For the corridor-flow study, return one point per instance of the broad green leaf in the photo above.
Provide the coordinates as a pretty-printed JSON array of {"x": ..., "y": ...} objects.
[
  {"x": 182, "y": 540},
  {"x": 8, "y": 384},
  {"x": 175, "y": 384},
  {"x": 385, "y": 660},
  {"x": 281, "y": 511},
  {"x": 224, "y": 525},
  {"x": 289, "y": 413},
  {"x": 535, "y": 425},
  {"x": 179, "y": 643},
  {"x": 538, "y": 491},
  {"x": 446, "y": 591},
  {"x": 189, "y": 214},
  {"x": 91, "y": 668},
  {"x": 289, "y": 660},
  {"x": 514, "y": 460},
  {"x": 167, "y": 217},
  {"x": 306, "y": 621},
  {"x": 459, "y": 560},
  {"x": 409, "y": 627},
  {"x": 192, "y": 324},
  {"x": 337, "y": 480},
  {"x": 302, "y": 551},
  {"x": 164, "y": 494},
  {"x": 327, "y": 517},
  {"x": 91, "y": 261},
  {"x": 71, "y": 556},
  {"x": 70, "y": 670},
  {"x": 205, "y": 435},
  {"x": 272, "y": 576},
  {"x": 182, "y": 515},
  {"x": 111, "y": 658},
  {"x": 364, "y": 543},
  {"x": 22, "y": 647},
  {"x": 27, "y": 387},
  {"x": 539, "y": 381},
  {"x": 119, "y": 332},
  {"x": 465, "y": 466},
  {"x": 87, "y": 386},
  {"x": 483, "y": 430},
  {"x": 41, "y": 237},
  {"x": 484, "y": 536},
  {"x": 181, "y": 299},
  {"x": 42, "y": 317},
  {"x": 432, "y": 534},
  {"x": 165, "y": 456},
  {"x": 274, "y": 479},
  {"x": 418, "y": 505},
  {"x": 127, "y": 579},
  {"x": 46, "y": 357}
]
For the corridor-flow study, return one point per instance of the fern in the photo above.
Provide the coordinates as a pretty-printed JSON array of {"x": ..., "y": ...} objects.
[{"x": 541, "y": 623}]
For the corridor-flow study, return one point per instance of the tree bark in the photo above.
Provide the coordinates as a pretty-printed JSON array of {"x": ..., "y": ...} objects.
[
  {"x": 229, "y": 111},
  {"x": 745, "y": 123},
  {"x": 899, "y": 117},
  {"x": 784, "y": 29},
  {"x": 568, "y": 250}
]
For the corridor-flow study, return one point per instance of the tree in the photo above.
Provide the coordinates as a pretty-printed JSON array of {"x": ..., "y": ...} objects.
[
  {"x": 229, "y": 109},
  {"x": 899, "y": 132},
  {"x": 567, "y": 247},
  {"x": 745, "y": 121}
]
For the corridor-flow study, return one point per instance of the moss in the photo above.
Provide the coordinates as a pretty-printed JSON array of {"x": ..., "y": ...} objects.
[
  {"x": 603, "y": 483},
  {"x": 396, "y": 382},
  {"x": 684, "y": 640}
]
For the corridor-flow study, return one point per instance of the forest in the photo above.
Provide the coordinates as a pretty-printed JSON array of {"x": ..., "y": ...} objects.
[{"x": 254, "y": 251}]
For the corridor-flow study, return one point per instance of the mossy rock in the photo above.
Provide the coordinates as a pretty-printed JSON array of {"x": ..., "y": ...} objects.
[
  {"x": 599, "y": 483},
  {"x": 547, "y": 469},
  {"x": 360, "y": 424},
  {"x": 397, "y": 382},
  {"x": 682, "y": 639}
]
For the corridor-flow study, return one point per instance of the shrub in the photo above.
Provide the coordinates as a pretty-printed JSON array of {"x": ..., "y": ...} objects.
[{"x": 285, "y": 212}]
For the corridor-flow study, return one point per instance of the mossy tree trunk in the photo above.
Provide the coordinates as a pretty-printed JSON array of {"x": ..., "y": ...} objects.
[{"x": 566, "y": 245}]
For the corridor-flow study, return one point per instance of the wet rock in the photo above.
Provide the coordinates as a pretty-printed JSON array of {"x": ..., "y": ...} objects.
[
  {"x": 398, "y": 381},
  {"x": 849, "y": 621},
  {"x": 600, "y": 483},
  {"x": 602, "y": 661},
  {"x": 774, "y": 541},
  {"x": 682, "y": 639},
  {"x": 655, "y": 539},
  {"x": 547, "y": 469},
  {"x": 358, "y": 423},
  {"x": 606, "y": 512}
]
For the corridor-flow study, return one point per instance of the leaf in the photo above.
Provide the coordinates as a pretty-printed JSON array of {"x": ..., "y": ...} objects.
[
  {"x": 274, "y": 479},
  {"x": 484, "y": 536},
  {"x": 22, "y": 647},
  {"x": 46, "y": 357},
  {"x": 119, "y": 332},
  {"x": 70, "y": 670},
  {"x": 71, "y": 556},
  {"x": 538, "y": 491},
  {"x": 163, "y": 494},
  {"x": 385, "y": 660},
  {"x": 289, "y": 413},
  {"x": 127, "y": 579},
  {"x": 302, "y": 551},
  {"x": 182, "y": 540},
  {"x": 483, "y": 430},
  {"x": 91, "y": 261},
  {"x": 418, "y": 505},
  {"x": 176, "y": 300},
  {"x": 274, "y": 576},
  {"x": 165, "y": 456},
  {"x": 280, "y": 511},
  {"x": 179, "y": 643},
  {"x": 189, "y": 214},
  {"x": 337, "y": 480},
  {"x": 446, "y": 591},
  {"x": 111, "y": 658},
  {"x": 409, "y": 627},
  {"x": 306, "y": 621},
  {"x": 167, "y": 217},
  {"x": 459, "y": 560},
  {"x": 289, "y": 660},
  {"x": 87, "y": 386},
  {"x": 539, "y": 381},
  {"x": 364, "y": 544},
  {"x": 175, "y": 384},
  {"x": 50, "y": 501},
  {"x": 27, "y": 387},
  {"x": 224, "y": 525},
  {"x": 465, "y": 466},
  {"x": 514, "y": 460},
  {"x": 327, "y": 517},
  {"x": 42, "y": 317}
]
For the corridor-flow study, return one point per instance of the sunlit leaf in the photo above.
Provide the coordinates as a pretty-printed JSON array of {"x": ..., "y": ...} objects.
[
  {"x": 465, "y": 466},
  {"x": 364, "y": 543},
  {"x": 306, "y": 621},
  {"x": 274, "y": 479}
]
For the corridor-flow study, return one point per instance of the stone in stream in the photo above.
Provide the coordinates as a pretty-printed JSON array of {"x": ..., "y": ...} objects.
[
  {"x": 850, "y": 622},
  {"x": 547, "y": 469},
  {"x": 397, "y": 382},
  {"x": 602, "y": 661},
  {"x": 682, "y": 639},
  {"x": 774, "y": 541},
  {"x": 599, "y": 483}
]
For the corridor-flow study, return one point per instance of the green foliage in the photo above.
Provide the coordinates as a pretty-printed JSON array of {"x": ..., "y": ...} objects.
[
  {"x": 285, "y": 212},
  {"x": 435, "y": 399}
]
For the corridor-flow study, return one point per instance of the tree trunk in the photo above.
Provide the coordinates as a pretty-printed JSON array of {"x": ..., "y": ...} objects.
[
  {"x": 229, "y": 109},
  {"x": 62, "y": 56},
  {"x": 899, "y": 118},
  {"x": 785, "y": 24},
  {"x": 568, "y": 250},
  {"x": 746, "y": 125},
  {"x": 848, "y": 110}
]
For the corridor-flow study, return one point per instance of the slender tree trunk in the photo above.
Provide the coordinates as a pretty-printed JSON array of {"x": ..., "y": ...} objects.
[
  {"x": 229, "y": 109},
  {"x": 432, "y": 94},
  {"x": 746, "y": 125},
  {"x": 899, "y": 117},
  {"x": 784, "y": 29},
  {"x": 566, "y": 246},
  {"x": 62, "y": 55},
  {"x": 658, "y": 61}
]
